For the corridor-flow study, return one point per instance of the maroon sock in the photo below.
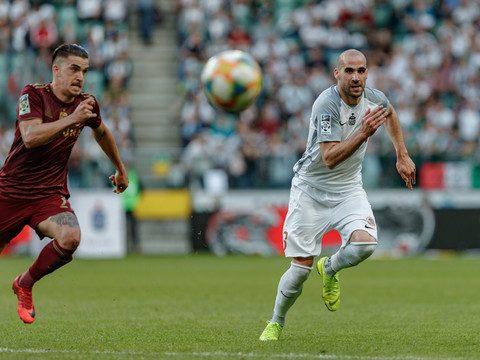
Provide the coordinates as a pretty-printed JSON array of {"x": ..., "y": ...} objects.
[{"x": 52, "y": 257}]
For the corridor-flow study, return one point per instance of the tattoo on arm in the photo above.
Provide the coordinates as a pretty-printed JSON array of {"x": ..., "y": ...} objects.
[{"x": 65, "y": 218}]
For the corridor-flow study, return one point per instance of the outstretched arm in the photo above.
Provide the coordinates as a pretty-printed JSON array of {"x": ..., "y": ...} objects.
[
  {"x": 405, "y": 165},
  {"x": 36, "y": 133},
  {"x": 105, "y": 139},
  {"x": 334, "y": 152}
]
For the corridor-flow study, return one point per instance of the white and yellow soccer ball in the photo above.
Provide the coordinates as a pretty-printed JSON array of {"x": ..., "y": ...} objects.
[{"x": 231, "y": 80}]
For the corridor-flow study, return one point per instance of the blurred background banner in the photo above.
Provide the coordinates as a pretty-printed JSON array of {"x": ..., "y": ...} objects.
[
  {"x": 251, "y": 222},
  {"x": 102, "y": 220}
]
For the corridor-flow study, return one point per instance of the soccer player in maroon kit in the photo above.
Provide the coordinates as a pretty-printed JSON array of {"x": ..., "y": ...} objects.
[{"x": 33, "y": 180}]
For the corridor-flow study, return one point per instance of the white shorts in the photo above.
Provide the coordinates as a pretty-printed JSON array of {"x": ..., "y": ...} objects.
[{"x": 312, "y": 213}]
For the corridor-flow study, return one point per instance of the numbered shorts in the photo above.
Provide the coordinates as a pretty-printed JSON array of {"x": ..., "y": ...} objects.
[
  {"x": 16, "y": 213},
  {"x": 312, "y": 213}
]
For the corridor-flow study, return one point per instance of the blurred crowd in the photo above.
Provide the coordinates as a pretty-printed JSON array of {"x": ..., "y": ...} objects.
[
  {"x": 424, "y": 54},
  {"x": 29, "y": 32}
]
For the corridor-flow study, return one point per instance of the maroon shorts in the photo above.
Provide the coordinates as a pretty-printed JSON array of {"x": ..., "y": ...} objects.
[{"x": 16, "y": 213}]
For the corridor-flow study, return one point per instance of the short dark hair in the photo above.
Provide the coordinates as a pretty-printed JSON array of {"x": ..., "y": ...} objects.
[{"x": 65, "y": 50}]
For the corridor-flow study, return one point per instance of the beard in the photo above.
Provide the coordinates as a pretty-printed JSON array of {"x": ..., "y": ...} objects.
[{"x": 353, "y": 94}]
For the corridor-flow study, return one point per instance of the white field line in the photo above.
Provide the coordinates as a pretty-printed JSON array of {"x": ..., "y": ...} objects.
[{"x": 239, "y": 355}]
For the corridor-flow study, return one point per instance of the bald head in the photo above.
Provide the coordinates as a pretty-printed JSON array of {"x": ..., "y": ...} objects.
[{"x": 348, "y": 54}]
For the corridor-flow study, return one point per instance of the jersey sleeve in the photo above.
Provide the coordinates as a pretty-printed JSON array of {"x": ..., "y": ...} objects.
[
  {"x": 326, "y": 115},
  {"x": 30, "y": 104},
  {"x": 377, "y": 97}
]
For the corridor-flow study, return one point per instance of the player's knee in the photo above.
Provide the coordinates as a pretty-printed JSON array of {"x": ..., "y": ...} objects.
[
  {"x": 361, "y": 251},
  {"x": 303, "y": 261},
  {"x": 69, "y": 238},
  {"x": 361, "y": 236}
]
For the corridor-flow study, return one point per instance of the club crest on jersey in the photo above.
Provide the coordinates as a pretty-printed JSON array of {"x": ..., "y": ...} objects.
[
  {"x": 23, "y": 105},
  {"x": 325, "y": 124},
  {"x": 352, "y": 119},
  {"x": 370, "y": 221}
]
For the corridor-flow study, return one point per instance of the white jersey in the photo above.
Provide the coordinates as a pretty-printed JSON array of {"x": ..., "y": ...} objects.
[{"x": 333, "y": 120}]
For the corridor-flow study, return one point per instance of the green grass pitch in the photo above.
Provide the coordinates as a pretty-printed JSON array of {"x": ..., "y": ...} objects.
[{"x": 205, "y": 307}]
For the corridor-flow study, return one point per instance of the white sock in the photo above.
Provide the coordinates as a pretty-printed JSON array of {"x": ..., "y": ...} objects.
[
  {"x": 350, "y": 255},
  {"x": 289, "y": 289}
]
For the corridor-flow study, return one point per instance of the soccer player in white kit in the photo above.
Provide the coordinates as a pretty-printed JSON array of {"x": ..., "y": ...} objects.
[{"x": 327, "y": 191}]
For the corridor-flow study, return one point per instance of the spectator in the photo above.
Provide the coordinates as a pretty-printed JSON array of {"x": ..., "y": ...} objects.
[
  {"x": 130, "y": 200},
  {"x": 469, "y": 126},
  {"x": 115, "y": 10},
  {"x": 89, "y": 9},
  {"x": 119, "y": 69},
  {"x": 146, "y": 11},
  {"x": 44, "y": 34}
]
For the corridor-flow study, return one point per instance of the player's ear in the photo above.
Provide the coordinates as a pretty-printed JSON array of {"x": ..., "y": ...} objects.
[
  {"x": 335, "y": 73},
  {"x": 55, "y": 68}
]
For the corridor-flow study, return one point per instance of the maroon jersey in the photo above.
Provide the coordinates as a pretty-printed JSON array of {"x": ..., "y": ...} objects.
[{"x": 42, "y": 171}]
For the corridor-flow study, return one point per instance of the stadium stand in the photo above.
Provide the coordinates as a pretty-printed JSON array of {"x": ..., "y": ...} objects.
[{"x": 424, "y": 54}]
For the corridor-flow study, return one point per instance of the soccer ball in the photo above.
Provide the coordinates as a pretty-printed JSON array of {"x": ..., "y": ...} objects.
[{"x": 231, "y": 80}]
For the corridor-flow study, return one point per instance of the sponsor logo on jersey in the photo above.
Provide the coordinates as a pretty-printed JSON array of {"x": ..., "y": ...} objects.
[
  {"x": 23, "y": 105},
  {"x": 73, "y": 130},
  {"x": 325, "y": 124}
]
